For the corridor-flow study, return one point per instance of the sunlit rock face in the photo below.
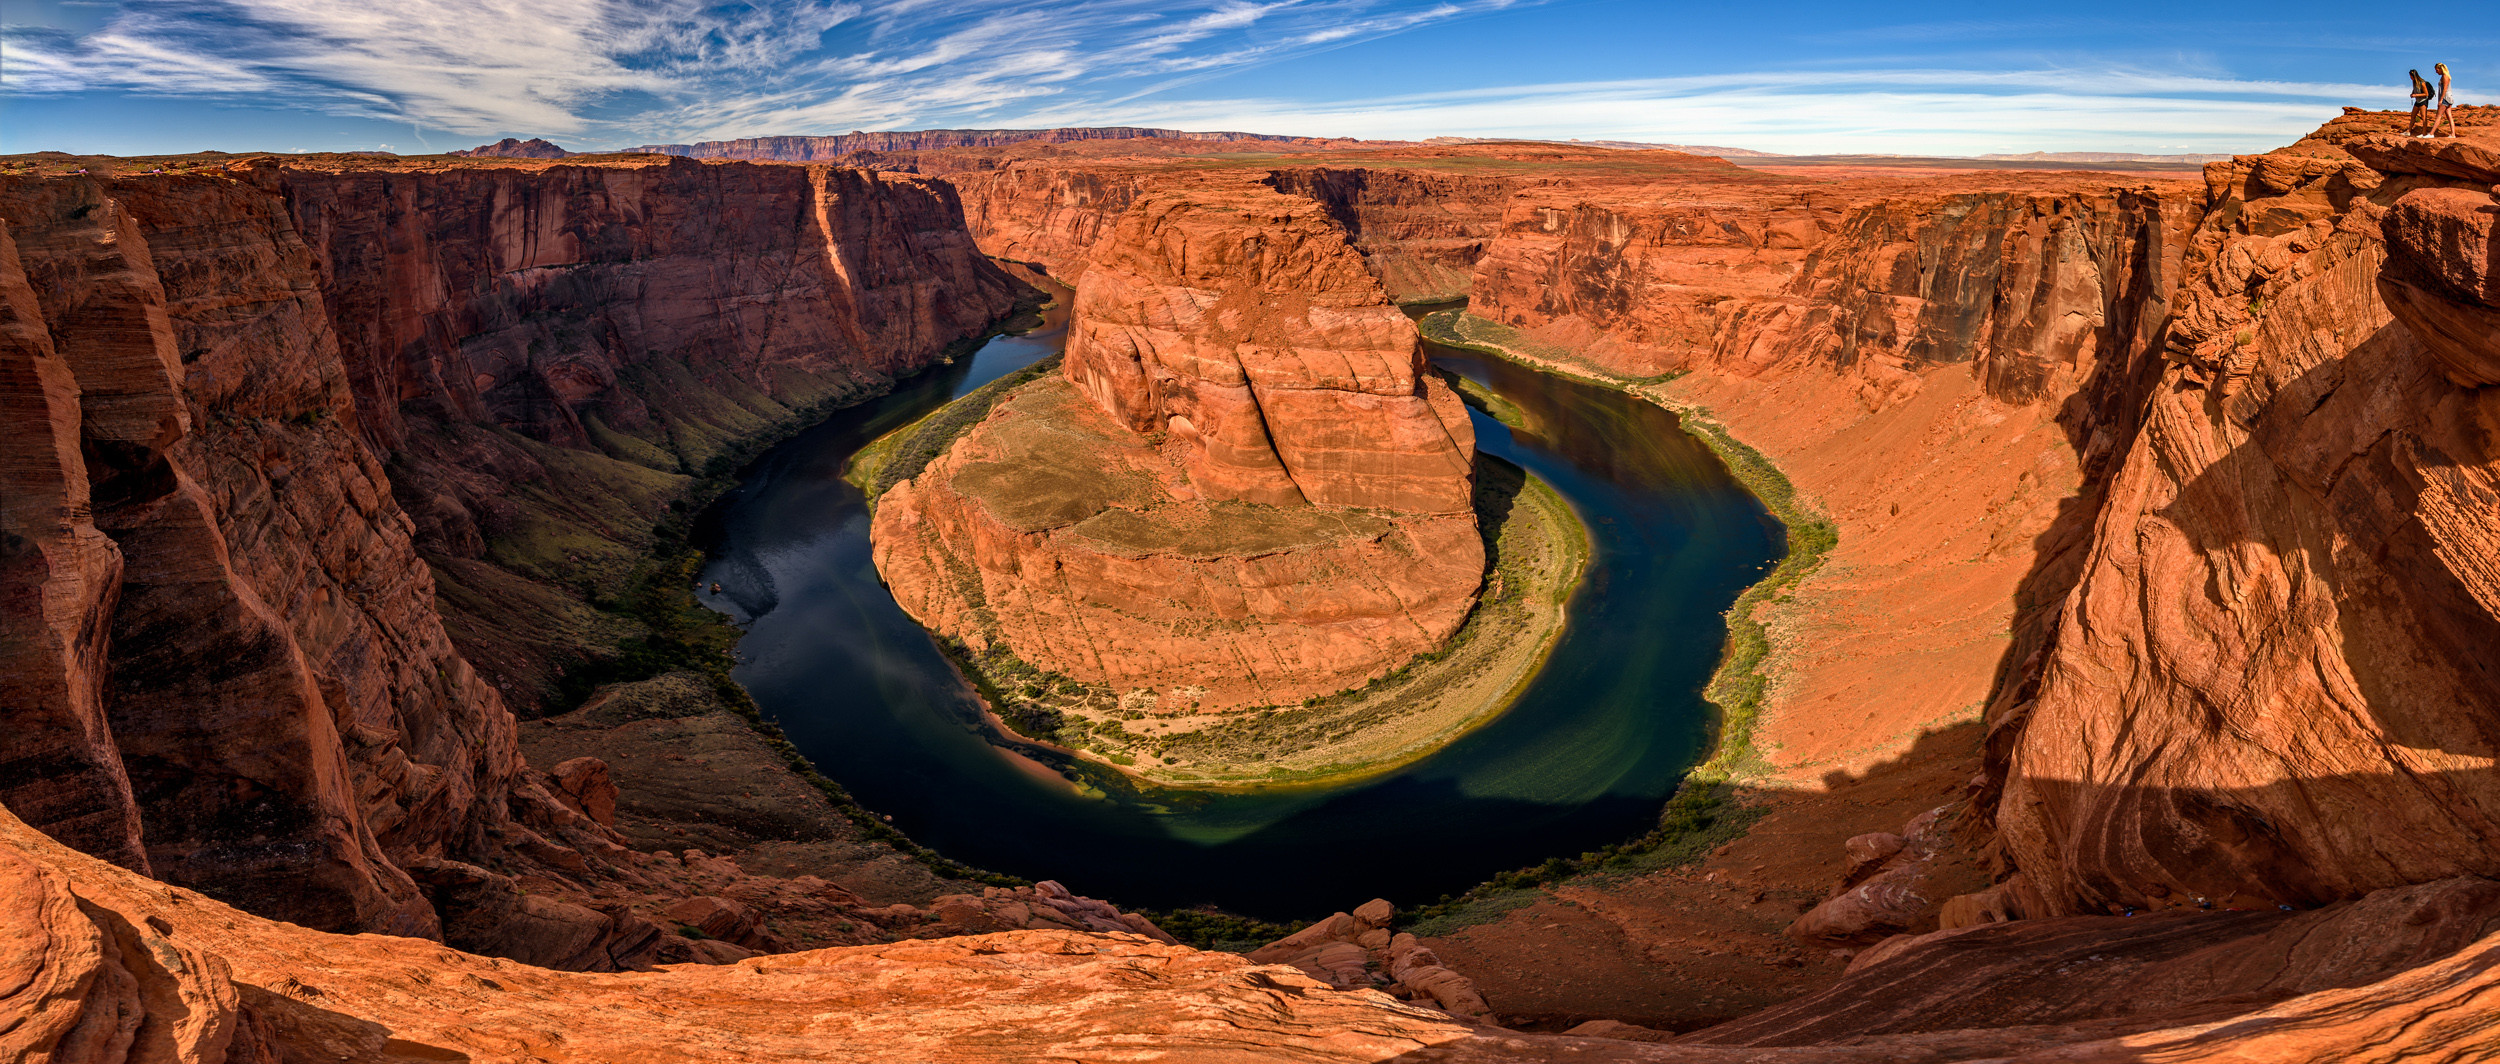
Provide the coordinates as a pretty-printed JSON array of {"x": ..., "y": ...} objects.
[
  {"x": 1244, "y": 491},
  {"x": 2273, "y": 683}
]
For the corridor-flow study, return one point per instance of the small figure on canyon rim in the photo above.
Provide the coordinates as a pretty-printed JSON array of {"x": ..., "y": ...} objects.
[
  {"x": 2444, "y": 115},
  {"x": 2421, "y": 105}
]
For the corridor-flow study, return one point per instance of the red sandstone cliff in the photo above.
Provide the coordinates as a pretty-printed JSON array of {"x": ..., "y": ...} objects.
[
  {"x": 2272, "y": 682},
  {"x": 546, "y": 356},
  {"x": 1253, "y": 494},
  {"x": 1420, "y": 232},
  {"x": 101, "y": 964},
  {"x": 1247, "y": 328},
  {"x": 223, "y": 638}
]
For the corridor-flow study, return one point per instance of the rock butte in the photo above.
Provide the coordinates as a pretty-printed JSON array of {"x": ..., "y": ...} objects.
[
  {"x": 2218, "y": 461},
  {"x": 1253, "y": 495}
]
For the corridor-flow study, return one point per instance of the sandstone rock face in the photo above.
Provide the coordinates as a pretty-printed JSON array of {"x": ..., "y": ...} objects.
[
  {"x": 516, "y": 148},
  {"x": 1420, "y": 232},
  {"x": 1642, "y": 281},
  {"x": 100, "y": 964},
  {"x": 2119, "y": 975},
  {"x": 2271, "y": 684},
  {"x": 1246, "y": 490},
  {"x": 225, "y": 661},
  {"x": 59, "y": 577},
  {"x": 1046, "y": 215},
  {"x": 543, "y": 354},
  {"x": 2029, "y": 285},
  {"x": 1055, "y": 533},
  {"x": 1247, "y": 328}
]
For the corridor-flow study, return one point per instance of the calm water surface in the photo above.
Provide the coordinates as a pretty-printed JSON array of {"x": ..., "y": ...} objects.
[{"x": 1584, "y": 759}]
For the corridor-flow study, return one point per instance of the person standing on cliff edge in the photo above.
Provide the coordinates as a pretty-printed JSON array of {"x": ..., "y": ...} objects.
[
  {"x": 2421, "y": 105},
  {"x": 2444, "y": 115}
]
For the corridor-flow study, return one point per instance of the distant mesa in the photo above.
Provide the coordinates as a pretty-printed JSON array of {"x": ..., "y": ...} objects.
[
  {"x": 827, "y": 149},
  {"x": 2103, "y": 157},
  {"x": 510, "y": 148},
  {"x": 1621, "y": 145}
]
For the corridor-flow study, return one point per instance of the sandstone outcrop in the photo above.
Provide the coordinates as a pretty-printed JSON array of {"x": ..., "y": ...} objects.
[
  {"x": 103, "y": 965},
  {"x": 545, "y": 356},
  {"x": 1245, "y": 490},
  {"x": 2119, "y": 975},
  {"x": 221, "y": 621},
  {"x": 1247, "y": 329},
  {"x": 1357, "y": 949},
  {"x": 2270, "y": 684},
  {"x": 1056, "y": 534},
  {"x": 1420, "y": 232}
]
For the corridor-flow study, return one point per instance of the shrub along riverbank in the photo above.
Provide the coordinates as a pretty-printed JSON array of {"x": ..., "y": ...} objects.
[{"x": 1705, "y": 813}]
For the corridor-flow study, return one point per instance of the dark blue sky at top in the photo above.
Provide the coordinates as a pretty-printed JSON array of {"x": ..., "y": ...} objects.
[{"x": 143, "y": 76}]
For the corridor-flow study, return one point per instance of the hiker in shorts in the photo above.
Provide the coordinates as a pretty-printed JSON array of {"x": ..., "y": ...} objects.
[
  {"x": 2444, "y": 114},
  {"x": 2421, "y": 106}
]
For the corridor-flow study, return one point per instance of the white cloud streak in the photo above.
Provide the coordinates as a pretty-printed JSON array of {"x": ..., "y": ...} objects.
[{"x": 620, "y": 72}]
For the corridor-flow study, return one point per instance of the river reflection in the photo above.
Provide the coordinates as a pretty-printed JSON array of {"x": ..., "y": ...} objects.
[{"x": 1584, "y": 759}]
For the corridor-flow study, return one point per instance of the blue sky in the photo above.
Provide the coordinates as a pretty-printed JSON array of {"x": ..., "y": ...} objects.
[{"x": 149, "y": 76}]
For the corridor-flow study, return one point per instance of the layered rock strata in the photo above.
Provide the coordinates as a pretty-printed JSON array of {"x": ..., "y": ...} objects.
[
  {"x": 1420, "y": 232},
  {"x": 222, "y": 632},
  {"x": 1244, "y": 491},
  {"x": 548, "y": 355},
  {"x": 2271, "y": 685},
  {"x": 105, "y": 965},
  {"x": 1247, "y": 330}
]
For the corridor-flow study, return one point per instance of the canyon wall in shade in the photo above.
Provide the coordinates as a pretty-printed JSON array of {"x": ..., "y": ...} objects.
[{"x": 220, "y": 611}]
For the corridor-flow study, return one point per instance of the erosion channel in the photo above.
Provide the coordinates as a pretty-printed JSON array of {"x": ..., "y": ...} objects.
[{"x": 1582, "y": 759}]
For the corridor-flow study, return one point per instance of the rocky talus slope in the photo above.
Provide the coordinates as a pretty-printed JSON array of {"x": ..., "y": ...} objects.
[
  {"x": 102, "y": 964},
  {"x": 1245, "y": 491}
]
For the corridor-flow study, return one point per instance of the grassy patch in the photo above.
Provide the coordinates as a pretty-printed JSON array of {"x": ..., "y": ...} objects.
[
  {"x": 901, "y": 454},
  {"x": 1538, "y": 551},
  {"x": 1212, "y": 928},
  {"x": 1485, "y": 399}
]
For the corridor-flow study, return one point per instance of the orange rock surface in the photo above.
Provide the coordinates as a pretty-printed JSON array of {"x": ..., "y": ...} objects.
[
  {"x": 2271, "y": 683},
  {"x": 1245, "y": 492}
]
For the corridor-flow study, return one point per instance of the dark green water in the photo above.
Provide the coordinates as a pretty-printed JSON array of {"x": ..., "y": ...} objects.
[{"x": 1584, "y": 759}]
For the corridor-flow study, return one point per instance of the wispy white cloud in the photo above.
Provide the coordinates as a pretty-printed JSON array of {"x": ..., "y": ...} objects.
[
  {"x": 1897, "y": 111},
  {"x": 601, "y": 73},
  {"x": 644, "y": 69}
]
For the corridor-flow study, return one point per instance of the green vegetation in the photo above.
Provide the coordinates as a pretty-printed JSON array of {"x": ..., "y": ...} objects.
[
  {"x": 1466, "y": 332},
  {"x": 1538, "y": 552},
  {"x": 1739, "y": 685},
  {"x": 1485, "y": 399},
  {"x": 1211, "y": 928},
  {"x": 901, "y": 454}
]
